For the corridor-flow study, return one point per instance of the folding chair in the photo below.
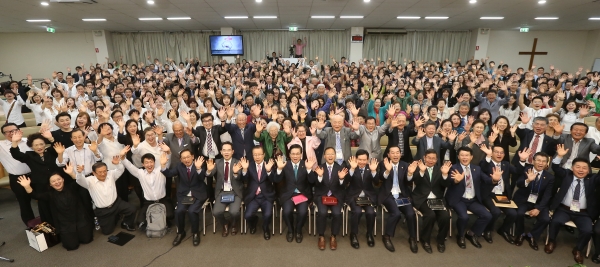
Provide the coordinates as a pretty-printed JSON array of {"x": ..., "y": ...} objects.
[
  {"x": 571, "y": 224},
  {"x": 245, "y": 229},
  {"x": 241, "y": 218},
  {"x": 347, "y": 214},
  {"x": 281, "y": 219},
  {"x": 315, "y": 210},
  {"x": 204, "y": 206}
]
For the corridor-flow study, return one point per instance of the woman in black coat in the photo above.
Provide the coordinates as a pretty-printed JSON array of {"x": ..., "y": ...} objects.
[
  {"x": 126, "y": 130},
  {"x": 502, "y": 135}
]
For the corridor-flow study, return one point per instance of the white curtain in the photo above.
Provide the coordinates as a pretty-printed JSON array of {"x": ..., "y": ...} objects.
[{"x": 419, "y": 46}]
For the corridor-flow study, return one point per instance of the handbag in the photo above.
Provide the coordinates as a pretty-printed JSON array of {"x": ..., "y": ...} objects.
[
  {"x": 188, "y": 200},
  {"x": 501, "y": 199},
  {"x": 363, "y": 201},
  {"x": 402, "y": 202},
  {"x": 436, "y": 204},
  {"x": 329, "y": 201},
  {"x": 228, "y": 197},
  {"x": 297, "y": 199}
]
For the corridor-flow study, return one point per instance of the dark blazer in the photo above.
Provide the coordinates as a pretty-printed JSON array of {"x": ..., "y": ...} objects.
[
  {"x": 219, "y": 175},
  {"x": 527, "y": 135},
  {"x": 40, "y": 169},
  {"x": 323, "y": 187},
  {"x": 456, "y": 191},
  {"x": 392, "y": 135},
  {"x": 242, "y": 143},
  {"x": 543, "y": 189},
  {"x": 437, "y": 143},
  {"x": 388, "y": 183},
  {"x": 196, "y": 184},
  {"x": 267, "y": 187},
  {"x": 289, "y": 183},
  {"x": 356, "y": 184},
  {"x": 425, "y": 184},
  {"x": 591, "y": 182},
  {"x": 507, "y": 171},
  {"x": 216, "y": 132},
  {"x": 173, "y": 143}
]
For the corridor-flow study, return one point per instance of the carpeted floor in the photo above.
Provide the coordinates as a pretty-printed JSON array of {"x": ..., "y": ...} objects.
[{"x": 253, "y": 250}]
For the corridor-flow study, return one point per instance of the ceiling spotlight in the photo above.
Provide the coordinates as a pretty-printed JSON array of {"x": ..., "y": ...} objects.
[
  {"x": 542, "y": 2},
  {"x": 472, "y": 1},
  {"x": 45, "y": 4},
  {"x": 259, "y": 1},
  {"x": 367, "y": 1},
  {"x": 150, "y": 2},
  {"x": 179, "y": 18}
]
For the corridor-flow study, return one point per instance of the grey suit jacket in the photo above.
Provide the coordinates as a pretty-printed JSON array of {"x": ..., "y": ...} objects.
[
  {"x": 329, "y": 136},
  {"x": 586, "y": 146},
  {"x": 438, "y": 144},
  {"x": 218, "y": 173},
  {"x": 369, "y": 141},
  {"x": 173, "y": 142}
]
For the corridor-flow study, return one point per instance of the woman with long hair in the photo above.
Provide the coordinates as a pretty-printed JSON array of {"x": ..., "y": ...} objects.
[
  {"x": 511, "y": 110},
  {"x": 485, "y": 115},
  {"x": 503, "y": 135}
]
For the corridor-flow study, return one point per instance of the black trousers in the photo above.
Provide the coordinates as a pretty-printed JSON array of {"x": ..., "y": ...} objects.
[
  {"x": 260, "y": 201},
  {"x": 193, "y": 212},
  {"x": 288, "y": 215},
  {"x": 581, "y": 219},
  {"x": 336, "y": 212},
  {"x": 108, "y": 217},
  {"x": 509, "y": 220},
  {"x": 122, "y": 185},
  {"x": 429, "y": 218},
  {"x": 170, "y": 209},
  {"x": 394, "y": 217},
  {"x": 370, "y": 212},
  {"x": 23, "y": 199},
  {"x": 81, "y": 235},
  {"x": 137, "y": 187}
]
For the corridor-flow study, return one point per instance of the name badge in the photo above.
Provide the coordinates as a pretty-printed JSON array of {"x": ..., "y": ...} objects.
[
  {"x": 575, "y": 206},
  {"x": 226, "y": 187},
  {"x": 395, "y": 190},
  {"x": 211, "y": 155},
  {"x": 532, "y": 198},
  {"x": 469, "y": 192},
  {"x": 498, "y": 190},
  {"x": 339, "y": 154}
]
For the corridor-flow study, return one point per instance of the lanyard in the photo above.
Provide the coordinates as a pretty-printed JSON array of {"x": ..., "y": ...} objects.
[{"x": 539, "y": 185}]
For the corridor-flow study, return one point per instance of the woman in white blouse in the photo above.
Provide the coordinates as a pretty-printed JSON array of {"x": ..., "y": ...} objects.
[{"x": 511, "y": 110}]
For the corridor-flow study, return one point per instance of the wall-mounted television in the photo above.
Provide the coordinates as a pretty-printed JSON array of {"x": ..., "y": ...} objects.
[{"x": 226, "y": 45}]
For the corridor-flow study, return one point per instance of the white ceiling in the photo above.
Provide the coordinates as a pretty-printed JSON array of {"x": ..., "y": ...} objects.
[{"x": 122, "y": 15}]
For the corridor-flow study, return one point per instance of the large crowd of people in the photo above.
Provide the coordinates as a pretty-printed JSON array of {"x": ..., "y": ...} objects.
[{"x": 428, "y": 139}]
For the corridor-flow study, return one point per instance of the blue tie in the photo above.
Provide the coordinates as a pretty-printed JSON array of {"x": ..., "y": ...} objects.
[
  {"x": 577, "y": 191},
  {"x": 338, "y": 146},
  {"x": 395, "y": 173},
  {"x": 296, "y": 177}
]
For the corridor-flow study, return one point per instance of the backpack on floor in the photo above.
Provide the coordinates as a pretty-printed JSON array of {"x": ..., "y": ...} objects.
[{"x": 156, "y": 219}]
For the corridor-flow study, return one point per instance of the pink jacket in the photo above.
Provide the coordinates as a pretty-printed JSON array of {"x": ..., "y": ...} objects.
[{"x": 312, "y": 143}]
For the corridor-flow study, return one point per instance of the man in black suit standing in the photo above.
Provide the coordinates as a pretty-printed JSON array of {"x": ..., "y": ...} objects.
[
  {"x": 394, "y": 195},
  {"x": 430, "y": 184},
  {"x": 296, "y": 191},
  {"x": 398, "y": 137},
  {"x": 210, "y": 142},
  {"x": 535, "y": 139},
  {"x": 190, "y": 189},
  {"x": 260, "y": 192},
  {"x": 361, "y": 179},
  {"x": 330, "y": 181},
  {"x": 242, "y": 136}
]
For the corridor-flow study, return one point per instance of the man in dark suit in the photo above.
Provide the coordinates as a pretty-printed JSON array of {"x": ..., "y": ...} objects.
[
  {"x": 575, "y": 201},
  {"x": 493, "y": 159},
  {"x": 535, "y": 187},
  {"x": 430, "y": 184},
  {"x": 191, "y": 185},
  {"x": 260, "y": 192},
  {"x": 296, "y": 191},
  {"x": 392, "y": 172},
  {"x": 242, "y": 136},
  {"x": 535, "y": 139},
  {"x": 427, "y": 139},
  {"x": 464, "y": 193},
  {"x": 361, "y": 185},
  {"x": 226, "y": 172},
  {"x": 330, "y": 181},
  {"x": 398, "y": 137},
  {"x": 210, "y": 143},
  {"x": 177, "y": 142}
]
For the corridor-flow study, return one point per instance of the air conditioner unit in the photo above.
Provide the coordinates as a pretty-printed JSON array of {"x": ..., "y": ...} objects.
[
  {"x": 74, "y": 1},
  {"x": 385, "y": 31}
]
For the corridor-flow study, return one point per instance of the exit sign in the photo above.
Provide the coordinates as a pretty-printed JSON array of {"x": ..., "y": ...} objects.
[
  {"x": 293, "y": 29},
  {"x": 50, "y": 29},
  {"x": 524, "y": 29}
]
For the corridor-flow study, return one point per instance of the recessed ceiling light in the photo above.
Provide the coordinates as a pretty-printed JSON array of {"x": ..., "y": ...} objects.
[
  {"x": 323, "y": 17},
  {"x": 150, "y": 2},
  {"x": 45, "y": 4},
  {"x": 265, "y": 17},
  {"x": 546, "y": 18},
  {"x": 351, "y": 17},
  {"x": 93, "y": 19},
  {"x": 179, "y": 18},
  {"x": 38, "y": 20},
  {"x": 367, "y": 1},
  {"x": 491, "y": 18},
  {"x": 594, "y": 18},
  {"x": 542, "y": 2},
  {"x": 150, "y": 18},
  {"x": 236, "y": 17},
  {"x": 472, "y": 1},
  {"x": 407, "y": 17},
  {"x": 436, "y": 17},
  {"x": 259, "y": 1}
]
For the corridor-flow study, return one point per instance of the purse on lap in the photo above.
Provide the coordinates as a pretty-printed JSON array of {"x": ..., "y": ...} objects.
[
  {"x": 228, "y": 197},
  {"x": 329, "y": 201},
  {"x": 363, "y": 201}
]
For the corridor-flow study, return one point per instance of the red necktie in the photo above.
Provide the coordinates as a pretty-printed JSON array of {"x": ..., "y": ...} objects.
[
  {"x": 534, "y": 148},
  {"x": 189, "y": 174},
  {"x": 226, "y": 171}
]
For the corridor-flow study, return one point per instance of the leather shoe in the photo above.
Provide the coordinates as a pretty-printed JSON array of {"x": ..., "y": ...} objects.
[
  {"x": 441, "y": 247},
  {"x": 506, "y": 237},
  {"x": 370, "y": 240},
  {"x": 531, "y": 242},
  {"x": 461, "y": 242},
  {"x": 253, "y": 230},
  {"x": 488, "y": 236},
  {"x": 577, "y": 256},
  {"x": 321, "y": 243},
  {"x": 299, "y": 237},
  {"x": 474, "y": 240},
  {"x": 550, "y": 247},
  {"x": 570, "y": 229},
  {"x": 233, "y": 230},
  {"x": 290, "y": 236},
  {"x": 354, "y": 241},
  {"x": 196, "y": 239},
  {"x": 267, "y": 235},
  {"x": 519, "y": 240},
  {"x": 332, "y": 243},
  {"x": 427, "y": 247},
  {"x": 388, "y": 243},
  {"x": 178, "y": 238},
  {"x": 413, "y": 245},
  {"x": 225, "y": 230},
  {"x": 127, "y": 227},
  {"x": 596, "y": 258}
]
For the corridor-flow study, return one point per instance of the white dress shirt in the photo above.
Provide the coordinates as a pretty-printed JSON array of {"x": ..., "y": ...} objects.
[
  {"x": 467, "y": 194},
  {"x": 15, "y": 115},
  {"x": 12, "y": 165},
  {"x": 542, "y": 112},
  {"x": 109, "y": 149},
  {"x": 142, "y": 149},
  {"x": 83, "y": 156},
  {"x": 569, "y": 196},
  {"x": 104, "y": 193},
  {"x": 153, "y": 183}
]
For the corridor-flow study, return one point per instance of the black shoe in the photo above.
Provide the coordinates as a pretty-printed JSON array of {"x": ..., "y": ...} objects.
[
  {"x": 290, "y": 236},
  {"x": 596, "y": 258},
  {"x": 299, "y": 237},
  {"x": 388, "y": 243},
  {"x": 178, "y": 238},
  {"x": 354, "y": 241},
  {"x": 460, "y": 240},
  {"x": 488, "y": 237},
  {"x": 427, "y": 247},
  {"x": 267, "y": 235},
  {"x": 471, "y": 237},
  {"x": 127, "y": 227},
  {"x": 196, "y": 239},
  {"x": 506, "y": 237},
  {"x": 570, "y": 229},
  {"x": 441, "y": 247},
  {"x": 413, "y": 245},
  {"x": 253, "y": 230},
  {"x": 531, "y": 242},
  {"x": 370, "y": 240},
  {"x": 519, "y": 240}
]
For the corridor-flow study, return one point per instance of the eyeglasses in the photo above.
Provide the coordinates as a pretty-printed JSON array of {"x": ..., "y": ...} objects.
[{"x": 11, "y": 131}]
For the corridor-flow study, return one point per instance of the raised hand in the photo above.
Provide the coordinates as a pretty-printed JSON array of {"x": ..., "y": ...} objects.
[
  {"x": 269, "y": 165},
  {"x": 457, "y": 176},
  {"x": 310, "y": 162},
  {"x": 558, "y": 128},
  {"x": 135, "y": 139},
  {"x": 124, "y": 151},
  {"x": 561, "y": 151},
  {"x": 164, "y": 147},
  {"x": 353, "y": 163},
  {"x": 164, "y": 159},
  {"x": 24, "y": 181},
  {"x": 513, "y": 129},
  {"x": 260, "y": 126},
  {"x": 446, "y": 168},
  {"x": 422, "y": 166},
  {"x": 524, "y": 118},
  {"x": 486, "y": 150},
  {"x": 373, "y": 164},
  {"x": 388, "y": 164},
  {"x": 530, "y": 175},
  {"x": 116, "y": 160},
  {"x": 452, "y": 135},
  {"x": 280, "y": 163},
  {"x": 321, "y": 124},
  {"x": 245, "y": 163},
  {"x": 413, "y": 167},
  {"x": 473, "y": 137},
  {"x": 59, "y": 148},
  {"x": 342, "y": 173},
  {"x": 492, "y": 137},
  {"x": 237, "y": 167},
  {"x": 17, "y": 136},
  {"x": 497, "y": 174},
  {"x": 420, "y": 133},
  {"x": 524, "y": 154},
  {"x": 210, "y": 165}
]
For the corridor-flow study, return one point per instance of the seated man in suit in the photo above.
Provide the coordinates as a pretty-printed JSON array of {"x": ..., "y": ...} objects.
[
  {"x": 296, "y": 191},
  {"x": 226, "y": 172},
  {"x": 361, "y": 185},
  {"x": 535, "y": 139},
  {"x": 464, "y": 193},
  {"x": 260, "y": 192},
  {"x": 393, "y": 195},
  {"x": 575, "y": 201},
  {"x": 329, "y": 180},
  {"x": 535, "y": 186},
  {"x": 430, "y": 184},
  {"x": 427, "y": 139},
  {"x": 180, "y": 139},
  {"x": 191, "y": 193},
  {"x": 494, "y": 157}
]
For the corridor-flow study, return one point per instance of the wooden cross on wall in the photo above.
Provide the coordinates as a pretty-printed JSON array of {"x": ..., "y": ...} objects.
[{"x": 533, "y": 53}]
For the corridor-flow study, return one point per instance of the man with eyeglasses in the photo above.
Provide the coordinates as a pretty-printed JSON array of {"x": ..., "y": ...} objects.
[
  {"x": 211, "y": 145},
  {"x": 260, "y": 192}
]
